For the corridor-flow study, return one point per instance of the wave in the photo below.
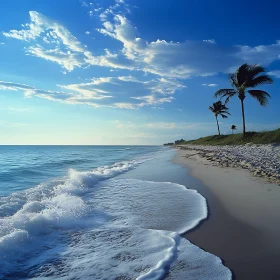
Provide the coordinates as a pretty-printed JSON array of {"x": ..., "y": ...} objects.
[{"x": 91, "y": 225}]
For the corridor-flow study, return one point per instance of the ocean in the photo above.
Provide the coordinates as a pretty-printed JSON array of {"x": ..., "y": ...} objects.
[{"x": 99, "y": 212}]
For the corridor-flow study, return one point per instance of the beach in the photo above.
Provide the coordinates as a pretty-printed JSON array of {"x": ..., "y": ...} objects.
[{"x": 243, "y": 217}]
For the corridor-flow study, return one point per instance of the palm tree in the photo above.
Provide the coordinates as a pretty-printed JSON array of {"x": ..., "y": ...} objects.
[
  {"x": 246, "y": 76},
  {"x": 233, "y": 127},
  {"x": 218, "y": 108}
]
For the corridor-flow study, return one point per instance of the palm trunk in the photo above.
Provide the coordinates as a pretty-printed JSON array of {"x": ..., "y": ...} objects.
[
  {"x": 232, "y": 131},
  {"x": 218, "y": 125},
  {"x": 243, "y": 116}
]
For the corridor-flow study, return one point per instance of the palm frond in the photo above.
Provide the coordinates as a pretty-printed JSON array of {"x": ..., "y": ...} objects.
[
  {"x": 255, "y": 70},
  {"x": 229, "y": 97},
  {"x": 218, "y": 108},
  {"x": 224, "y": 116},
  {"x": 225, "y": 111},
  {"x": 260, "y": 95},
  {"x": 224, "y": 92},
  {"x": 242, "y": 74},
  {"x": 232, "y": 80},
  {"x": 260, "y": 80}
]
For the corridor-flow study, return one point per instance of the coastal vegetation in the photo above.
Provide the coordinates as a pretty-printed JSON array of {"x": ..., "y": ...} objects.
[
  {"x": 264, "y": 137},
  {"x": 245, "y": 78},
  {"x": 168, "y": 144},
  {"x": 233, "y": 127},
  {"x": 219, "y": 109},
  {"x": 178, "y": 142}
]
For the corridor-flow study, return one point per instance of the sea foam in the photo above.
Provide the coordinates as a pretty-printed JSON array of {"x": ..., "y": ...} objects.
[{"x": 91, "y": 225}]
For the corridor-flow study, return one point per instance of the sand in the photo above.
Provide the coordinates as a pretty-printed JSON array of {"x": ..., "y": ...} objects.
[{"x": 243, "y": 227}]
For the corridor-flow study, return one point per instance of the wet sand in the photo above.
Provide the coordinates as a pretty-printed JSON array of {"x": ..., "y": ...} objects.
[{"x": 243, "y": 227}]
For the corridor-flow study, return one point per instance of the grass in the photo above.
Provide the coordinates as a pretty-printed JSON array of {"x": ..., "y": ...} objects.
[{"x": 264, "y": 137}]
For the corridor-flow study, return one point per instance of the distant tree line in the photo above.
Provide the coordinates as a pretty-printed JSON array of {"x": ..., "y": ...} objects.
[
  {"x": 177, "y": 142},
  {"x": 168, "y": 144}
]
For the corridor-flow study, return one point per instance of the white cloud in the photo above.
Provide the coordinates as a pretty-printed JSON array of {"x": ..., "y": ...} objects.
[
  {"x": 85, "y": 91},
  {"x": 167, "y": 86},
  {"x": 275, "y": 73},
  {"x": 210, "y": 85},
  {"x": 60, "y": 96},
  {"x": 29, "y": 91},
  {"x": 124, "y": 105},
  {"x": 210, "y": 41},
  {"x": 184, "y": 59},
  {"x": 40, "y": 25},
  {"x": 152, "y": 100},
  {"x": 125, "y": 92},
  {"x": 164, "y": 63},
  {"x": 132, "y": 93},
  {"x": 53, "y": 41},
  {"x": 67, "y": 59}
]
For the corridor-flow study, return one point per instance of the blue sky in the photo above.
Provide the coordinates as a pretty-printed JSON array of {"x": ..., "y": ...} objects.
[{"x": 130, "y": 72}]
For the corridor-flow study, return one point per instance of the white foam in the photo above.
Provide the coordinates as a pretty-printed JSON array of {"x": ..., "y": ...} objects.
[
  {"x": 92, "y": 226},
  {"x": 156, "y": 205},
  {"x": 128, "y": 253}
]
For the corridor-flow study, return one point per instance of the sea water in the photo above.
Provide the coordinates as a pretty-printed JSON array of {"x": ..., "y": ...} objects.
[{"x": 77, "y": 212}]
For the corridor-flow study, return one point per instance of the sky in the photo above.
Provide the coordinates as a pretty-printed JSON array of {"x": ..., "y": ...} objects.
[{"x": 105, "y": 72}]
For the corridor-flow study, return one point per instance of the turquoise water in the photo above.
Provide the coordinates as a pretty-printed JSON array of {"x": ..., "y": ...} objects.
[{"x": 23, "y": 167}]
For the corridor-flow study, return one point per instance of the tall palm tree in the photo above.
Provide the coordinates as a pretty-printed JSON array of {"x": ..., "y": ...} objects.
[
  {"x": 233, "y": 127},
  {"x": 246, "y": 76},
  {"x": 218, "y": 108}
]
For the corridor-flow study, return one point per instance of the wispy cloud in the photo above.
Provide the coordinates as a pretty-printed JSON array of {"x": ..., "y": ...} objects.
[
  {"x": 163, "y": 65},
  {"x": 103, "y": 91},
  {"x": 152, "y": 100},
  {"x": 210, "y": 85},
  {"x": 275, "y": 73},
  {"x": 66, "y": 59},
  {"x": 30, "y": 91},
  {"x": 180, "y": 59},
  {"x": 130, "y": 92},
  {"x": 51, "y": 41}
]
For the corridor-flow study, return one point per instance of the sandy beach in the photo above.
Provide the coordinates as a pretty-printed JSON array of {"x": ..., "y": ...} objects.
[{"x": 243, "y": 226}]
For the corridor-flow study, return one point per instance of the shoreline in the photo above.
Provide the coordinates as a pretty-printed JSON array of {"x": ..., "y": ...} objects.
[{"x": 243, "y": 224}]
